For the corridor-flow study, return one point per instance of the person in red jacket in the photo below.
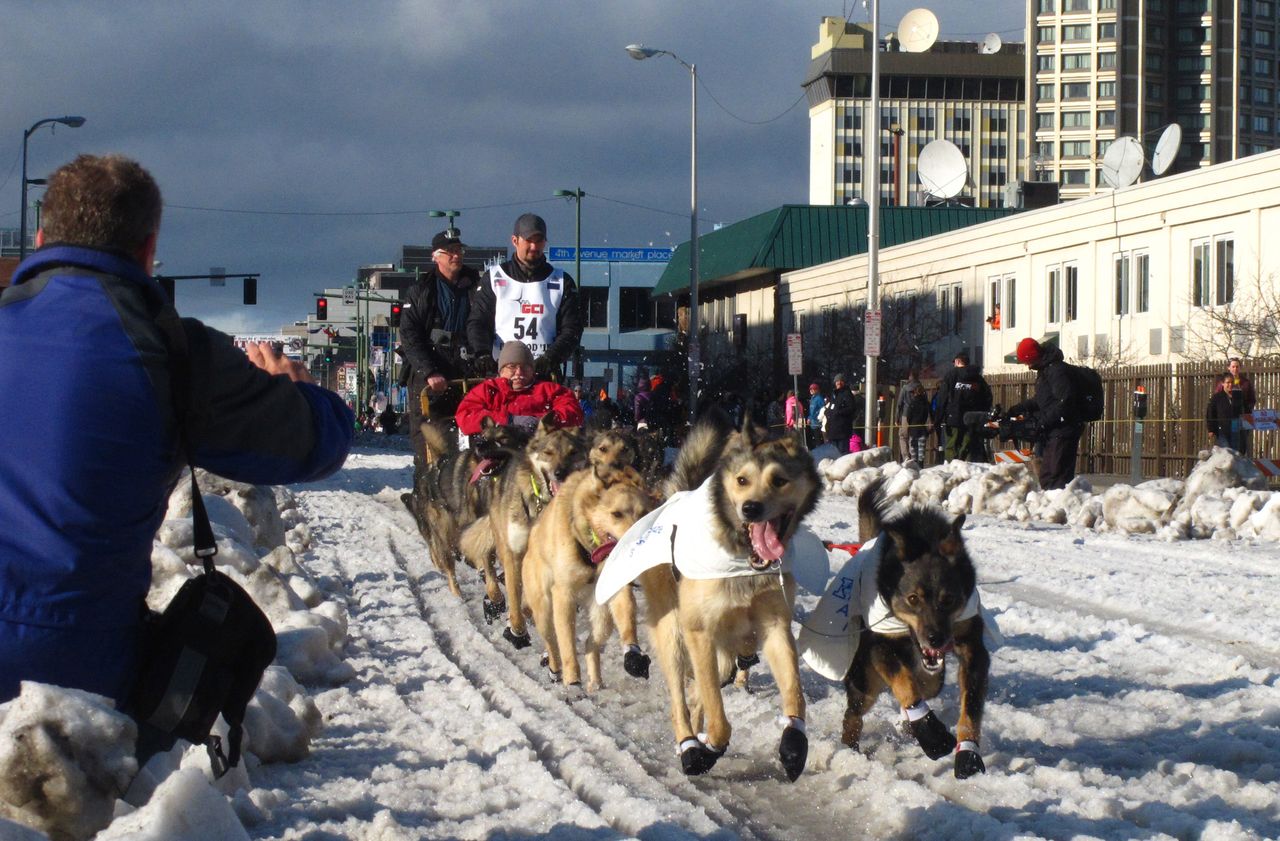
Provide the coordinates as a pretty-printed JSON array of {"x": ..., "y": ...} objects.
[{"x": 513, "y": 397}]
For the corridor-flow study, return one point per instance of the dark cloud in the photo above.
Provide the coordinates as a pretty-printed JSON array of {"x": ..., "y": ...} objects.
[{"x": 336, "y": 107}]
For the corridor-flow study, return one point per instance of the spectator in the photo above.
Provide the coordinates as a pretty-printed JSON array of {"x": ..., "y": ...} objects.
[
  {"x": 840, "y": 415},
  {"x": 910, "y": 389},
  {"x": 641, "y": 401},
  {"x": 1052, "y": 411},
  {"x": 917, "y": 419},
  {"x": 516, "y": 397},
  {"x": 389, "y": 419},
  {"x": 526, "y": 299},
  {"x": 813, "y": 431},
  {"x": 83, "y": 496},
  {"x": 1223, "y": 413},
  {"x": 1248, "y": 400},
  {"x": 794, "y": 416},
  {"x": 963, "y": 390},
  {"x": 994, "y": 318},
  {"x": 606, "y": 415},
  {"x": 584, "y": 401}
]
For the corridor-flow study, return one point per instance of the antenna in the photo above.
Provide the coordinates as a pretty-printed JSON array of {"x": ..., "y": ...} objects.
[
  {"x": 1122, "y": 164},
  {"x": 1166, "y": 149},
  {"x": 990, "y": 44},
  {"x": 917, "y": 30},
  {"x": 942, "y": 169}
]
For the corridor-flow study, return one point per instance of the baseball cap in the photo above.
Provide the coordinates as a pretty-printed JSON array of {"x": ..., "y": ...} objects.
[
  {"x": 529, "y": 224},
  {"x": 815, "y": 387},
  {"x": 447, "y": 239}
]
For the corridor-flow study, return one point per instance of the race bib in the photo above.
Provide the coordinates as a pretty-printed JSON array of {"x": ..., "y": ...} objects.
[{"x": 525, "y": 312}]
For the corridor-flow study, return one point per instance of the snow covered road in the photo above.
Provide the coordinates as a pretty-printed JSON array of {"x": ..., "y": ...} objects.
[{"x": 1136, "y": 698}]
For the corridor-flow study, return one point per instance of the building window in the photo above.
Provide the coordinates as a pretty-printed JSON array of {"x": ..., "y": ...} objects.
[
  {"x": 1225, "y": 272},
  {"x": 1075, "y": 5},
  {"x": 1155, "y": 62},
  {"x": 1076, "y": 61},
  {"x": 994, "y": 317},
  {"x": 1010, "y": 318},
  {"x": 1075, "y": 90},
  {"x": 1071, "y": 292},
  {"x": 638, "y": 311},
  {"x": 1077, "y": 32},
  {"x": 1142, "y": 281},
  {"x": 1109, "y": 5},
  {"x": 1074, "y": 177},
  {"x": 1052, "y": 293},
  {"x": 1261, "y": 123},
  {"x": 1262, "y": 95},
  {"x": 1107, "y": 31},
  {"x": 1262, "y": 37},
  {"x": 1044, "y": 119},
  {"x": 1106, "y": 61},
  {"x": 1262, "y": 67},
  {"x": 1155, "y": 91},
  {"x": 1045, "y": 63},
  {"x": 1046, "y": 7},
  {"x": 595, "y": 303},
  {"x": 1044, "y": 93},
  {"x": 1046, "y": 34},
  {"x": 1122, "y": 284},
  {"x": 1075, "y": 119},
  {"x": 1106, "y": 119},
  {"x": 1106, "y": 90},
  {"x": 1075, "y": 148}
]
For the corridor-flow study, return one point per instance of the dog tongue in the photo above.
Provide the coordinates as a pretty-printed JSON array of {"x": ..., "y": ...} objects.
[
  {"x": 602, "y": 551},
  {"x": 482, "y": 468},
  {"x": 765, "y": 542}
]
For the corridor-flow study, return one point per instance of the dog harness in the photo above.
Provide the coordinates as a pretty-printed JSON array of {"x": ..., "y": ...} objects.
[
  {"x": 678, "y": 532},
  {"x": 829, "y": 635}
]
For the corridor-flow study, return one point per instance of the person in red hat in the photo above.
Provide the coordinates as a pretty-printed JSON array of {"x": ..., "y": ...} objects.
[{"x": 1052, "y": 410}]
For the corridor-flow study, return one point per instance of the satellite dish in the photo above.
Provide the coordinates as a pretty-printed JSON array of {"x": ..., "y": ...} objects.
[
  {"x": 1122, "y": 164},
  {"x": 942, "y": 169},
  {"x": 991, "y": 44},
  {"x": 917, "y": 30},
  {"x": 1166, "y": 149}
]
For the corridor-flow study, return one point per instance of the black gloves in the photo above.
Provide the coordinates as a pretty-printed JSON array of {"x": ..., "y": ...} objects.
[
  {"x": 546, "y": 369},
  {"x": 484, "y": 365}
]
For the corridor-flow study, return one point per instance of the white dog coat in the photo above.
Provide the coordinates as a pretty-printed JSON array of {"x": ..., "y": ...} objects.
[
  {"x": 678, "y": 532},
  {"x": 828, "y": 637}
]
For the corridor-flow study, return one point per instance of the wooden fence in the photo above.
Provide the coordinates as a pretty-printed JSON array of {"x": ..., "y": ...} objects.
[{"x": 1174, "y": 430}]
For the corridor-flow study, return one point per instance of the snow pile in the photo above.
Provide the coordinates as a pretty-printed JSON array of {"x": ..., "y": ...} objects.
[
  {"x": 67, "y": 763},
  {"x": 1225, "y": 497}
]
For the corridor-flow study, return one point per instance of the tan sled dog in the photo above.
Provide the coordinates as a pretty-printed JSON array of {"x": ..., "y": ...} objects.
[
  {"x": 567, "y": 546},
  {"x": 748, "y": 497}
]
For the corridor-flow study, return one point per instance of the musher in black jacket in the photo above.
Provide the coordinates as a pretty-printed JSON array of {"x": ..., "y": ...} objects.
[
  {"x": 1053, "y": 409},
  {"x": 433, "y": 334},
  {"x": 542, "y": 309},
  {"x": 963, "y": 390}
]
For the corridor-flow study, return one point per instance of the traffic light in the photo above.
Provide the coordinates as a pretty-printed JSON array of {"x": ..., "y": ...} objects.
[
  {"x": 328, "y": 350},
  {"x": 395, "y": 314},
  {"x": 250, "y": 291},
  {"x": 322, "y": 309}
]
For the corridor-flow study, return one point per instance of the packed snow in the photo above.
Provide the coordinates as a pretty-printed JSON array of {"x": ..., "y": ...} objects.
[{"x": 1135, "y": 695}]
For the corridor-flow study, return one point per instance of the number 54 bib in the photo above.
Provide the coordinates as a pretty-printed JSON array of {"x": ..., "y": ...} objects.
[{"x": 525, "y": 312}]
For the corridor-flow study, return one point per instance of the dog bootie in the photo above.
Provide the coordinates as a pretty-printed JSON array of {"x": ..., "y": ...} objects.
[
  {"x": 933, "y": 736},
  {"x": 636, "y": 663},
  {"x": 492, "y": 610},
  {"x": 696, "y": 757},
  {"x": 793, "y": 750},
  {"x": 968, "y": 761},
  {"x": 519, "y": 641}
]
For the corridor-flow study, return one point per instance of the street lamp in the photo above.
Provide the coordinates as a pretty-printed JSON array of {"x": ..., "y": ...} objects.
[
  {"x": 576, "y": 195},
  {"x": 73, "y": 122},
  {"x": 640, "y": 52},
  {"x": 447, "y": 213}
]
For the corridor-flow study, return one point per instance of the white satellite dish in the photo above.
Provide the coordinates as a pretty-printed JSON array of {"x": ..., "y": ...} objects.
[
  {"x": 990, "y": 44},
  {"x": 1122, "y": 164},
  {"x": 942, "y": 169},
  {"x": 1166, "y": 149},
  {"x": 917, "y": 30}
]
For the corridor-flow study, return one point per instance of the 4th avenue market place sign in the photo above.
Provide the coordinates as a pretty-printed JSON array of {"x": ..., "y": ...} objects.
[{"x": 563, "y": 254}]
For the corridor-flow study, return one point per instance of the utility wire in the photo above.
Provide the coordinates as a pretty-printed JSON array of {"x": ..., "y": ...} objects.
[
  {"x": 348, "y": 212},
  {"x": 773, "y": 119}
]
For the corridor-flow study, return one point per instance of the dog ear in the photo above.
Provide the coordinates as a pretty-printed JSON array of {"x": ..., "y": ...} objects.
[
  {"x": 548, "y": 423},
  {"x": 899, "y": 544},
  {"x": 953, "y": 544},
  {"x": 486, "y": 422}
]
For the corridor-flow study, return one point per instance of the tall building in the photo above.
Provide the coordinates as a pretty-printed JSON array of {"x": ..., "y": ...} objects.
[
  {"x": 1102, "y": 69},
  {"x": 951, "y": 92}
]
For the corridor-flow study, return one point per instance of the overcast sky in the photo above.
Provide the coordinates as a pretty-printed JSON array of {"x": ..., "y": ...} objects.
[{"x": 304, "y": 139}]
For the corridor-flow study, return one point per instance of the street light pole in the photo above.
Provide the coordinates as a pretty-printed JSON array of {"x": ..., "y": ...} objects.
[
  {"x": 873, "y": 227},
  {"x": 576, "y": 195},
  {"x": 73, "y": 122},
  {"x": 449, "y": 214},
  {"x": 640, "y": 52}
]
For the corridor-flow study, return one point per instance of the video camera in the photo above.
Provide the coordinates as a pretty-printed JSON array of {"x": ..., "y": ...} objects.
[{"x": 996, "y": 424}]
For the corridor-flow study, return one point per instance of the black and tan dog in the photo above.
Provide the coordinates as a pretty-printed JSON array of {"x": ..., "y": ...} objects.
[
  {"x": 525, "y": 486},
  {"x": 567, "y": 546},
  {"x": 714, "y": 564},
  {"x": 456, "y": 486},
  {"x": 926, "y": 608}
]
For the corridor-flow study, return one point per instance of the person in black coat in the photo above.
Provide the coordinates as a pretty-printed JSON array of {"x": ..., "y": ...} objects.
[
  {"x": 1223, "y": 413},
  {"x": 1053, "y": 411},
  {"x": 963, "y": 390},
  {"x": 840, "y": 415}
]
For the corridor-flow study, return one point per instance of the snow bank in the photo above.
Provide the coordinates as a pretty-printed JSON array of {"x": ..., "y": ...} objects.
[
  {"x": 1225, "y": 497},
  {"x": 67, "y": 765}
]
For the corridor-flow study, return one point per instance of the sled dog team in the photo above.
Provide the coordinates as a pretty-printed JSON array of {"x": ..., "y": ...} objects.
[{"x": 717, "y": 551}]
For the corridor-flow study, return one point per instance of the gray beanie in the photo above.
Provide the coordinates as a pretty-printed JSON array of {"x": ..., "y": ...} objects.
[{"x": 515, "y": 352}]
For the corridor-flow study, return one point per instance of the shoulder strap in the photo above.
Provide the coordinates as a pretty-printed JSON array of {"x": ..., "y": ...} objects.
[{"x": 175, "y": 338}]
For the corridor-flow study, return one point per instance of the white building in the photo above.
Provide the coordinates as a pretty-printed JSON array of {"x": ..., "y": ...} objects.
[{"x": 1129, "y": 276}]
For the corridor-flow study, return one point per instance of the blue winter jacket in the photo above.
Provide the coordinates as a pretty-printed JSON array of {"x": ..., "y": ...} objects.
[{"x": 90, "y": 454}]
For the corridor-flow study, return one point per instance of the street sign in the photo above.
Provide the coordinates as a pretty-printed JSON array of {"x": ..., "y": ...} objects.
[
  {"x": 795, "y": 354},
  {"x": 871, "y": 335},
  {"x": 349, "y": 295}
]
